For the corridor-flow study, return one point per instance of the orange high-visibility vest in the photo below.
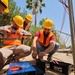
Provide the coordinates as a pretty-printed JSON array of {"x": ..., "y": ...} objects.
[
  {"x": 41, "y": 39},
  {"x": 12, "y": 39}
]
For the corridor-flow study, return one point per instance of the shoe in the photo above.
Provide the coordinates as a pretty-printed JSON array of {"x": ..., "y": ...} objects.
[{"x": 49, "y": 59}]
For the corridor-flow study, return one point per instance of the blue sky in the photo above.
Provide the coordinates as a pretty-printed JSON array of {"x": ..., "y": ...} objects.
[{"x": 53, "y": 10}]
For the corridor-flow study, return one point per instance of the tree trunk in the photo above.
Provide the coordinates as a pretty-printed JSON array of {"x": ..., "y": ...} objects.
[{"x": 35, "y": 20}]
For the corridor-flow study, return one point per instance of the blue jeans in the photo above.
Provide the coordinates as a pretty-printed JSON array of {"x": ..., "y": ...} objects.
[{"x": 42, "y": 48}]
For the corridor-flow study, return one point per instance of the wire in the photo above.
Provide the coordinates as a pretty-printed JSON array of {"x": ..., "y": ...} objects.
[
  {"x": 64, "y": 5},
  {"x": 66, "y": 10},
  {"x": 64, "y": 15}
]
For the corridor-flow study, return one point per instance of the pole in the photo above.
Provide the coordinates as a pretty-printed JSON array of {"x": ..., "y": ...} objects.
[
  {"x": 35, "y": 19},
  {"x": 72, "y": 28}
]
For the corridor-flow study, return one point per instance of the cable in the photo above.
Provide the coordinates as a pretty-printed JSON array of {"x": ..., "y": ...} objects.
[
  {"x": 64, "y": 4},
  {"x": 64, "y": 15}
]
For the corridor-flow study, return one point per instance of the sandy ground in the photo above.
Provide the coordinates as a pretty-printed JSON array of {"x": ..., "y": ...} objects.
[{"x": 61, "y": 56}]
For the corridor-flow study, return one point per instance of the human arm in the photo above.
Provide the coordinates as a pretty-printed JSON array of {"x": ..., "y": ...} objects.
[
  {"x": 24, "y": 33},
  {"x": 35, "y": 40},
  {"x": 27, "y": 27},
  {"x": 34, "y": 44},
  {"x": 4, "y": 29},
  {"x": 27, "y": 35},
  {"x": 34, "y": 50},
  {"x": 52, "y": 44},
  {"x": 51, "y": 47}
]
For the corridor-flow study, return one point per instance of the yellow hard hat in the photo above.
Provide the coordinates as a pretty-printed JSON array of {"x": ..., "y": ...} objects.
[
  {"x": 48, "y": 24},
  {"x": 18, "y": 20},
  {"x": 5, "y": 2},
  {"x": 29, "y": 17}
]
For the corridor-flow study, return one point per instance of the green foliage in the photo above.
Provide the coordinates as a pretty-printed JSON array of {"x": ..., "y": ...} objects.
[
  {"x": 43, "y": 4},
  {"x": 29, "y": 4},
  {"x": 33, "y": 30},
  {"x": 62, "y": 46},
  {"x": 4, "y": 19},
  {"x": 56, "y": 34},
  {"x": 70, "y": 47},
  {"x": 24, "y": 13},
  {"x": 41, "y": 0},
  {"x": 15, "y": 10},
  {"x": 41, "y": 21}
]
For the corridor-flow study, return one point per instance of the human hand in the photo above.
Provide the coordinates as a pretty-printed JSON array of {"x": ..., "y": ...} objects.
[
  {"x": 41, "y": 54},
  {"x": 34, "y": 55},
  {"x": 55, "y": 62}
]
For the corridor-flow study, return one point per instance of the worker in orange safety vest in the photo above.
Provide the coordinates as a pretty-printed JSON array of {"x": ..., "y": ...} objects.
[
  {"x": 26, "y": 24},
  {"x": 44, "y": 42},
  {"x": 12, "y": 40},
  {"x": 3, "y": 8}
]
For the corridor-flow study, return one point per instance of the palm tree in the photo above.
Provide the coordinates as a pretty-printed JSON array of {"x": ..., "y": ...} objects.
[{"x": 35, "y": 6}]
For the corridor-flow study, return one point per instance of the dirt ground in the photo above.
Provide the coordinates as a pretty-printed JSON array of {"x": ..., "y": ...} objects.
[{"x": 61, "y": 55}]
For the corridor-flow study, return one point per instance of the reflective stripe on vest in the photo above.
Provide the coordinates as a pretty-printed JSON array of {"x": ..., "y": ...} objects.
[
  {"x": 41, "y": 39},
  {"x": 12, "y": 38}
]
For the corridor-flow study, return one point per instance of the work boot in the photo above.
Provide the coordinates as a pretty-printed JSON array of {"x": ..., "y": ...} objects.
[{"x": 1, "y": 61}]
